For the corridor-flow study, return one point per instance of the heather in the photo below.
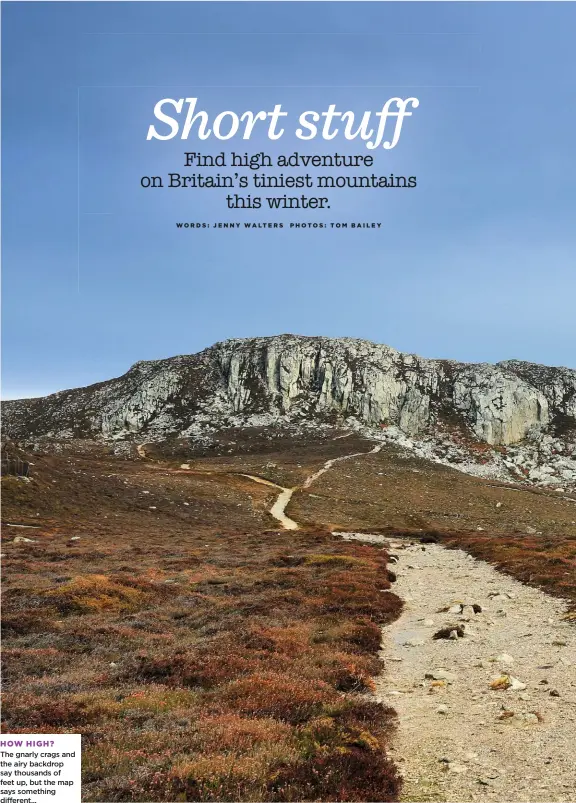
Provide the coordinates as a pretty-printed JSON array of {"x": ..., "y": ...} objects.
[{"x": 203, "y": 666}]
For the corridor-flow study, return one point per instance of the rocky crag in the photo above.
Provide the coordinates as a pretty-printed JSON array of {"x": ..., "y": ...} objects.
[{"x": 525, "y": 413}]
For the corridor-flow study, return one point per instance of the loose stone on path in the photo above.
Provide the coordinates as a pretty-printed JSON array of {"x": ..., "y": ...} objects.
[{"x": 458, "y": 739}]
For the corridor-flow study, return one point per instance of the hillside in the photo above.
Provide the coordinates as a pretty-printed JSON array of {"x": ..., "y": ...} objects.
[
  {"x": 228, "y": 574},
  {"x": 512, "y": 420},
  {"x": 157, "y": 608}
]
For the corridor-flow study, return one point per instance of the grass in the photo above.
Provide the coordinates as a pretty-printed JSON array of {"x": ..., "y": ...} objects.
[
  {"x": 202, "y": 666},
  {"x": 97, "y": 592}
]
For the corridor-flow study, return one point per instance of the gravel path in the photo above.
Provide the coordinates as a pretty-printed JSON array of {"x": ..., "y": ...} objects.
[{"x": 458, "y": 739}]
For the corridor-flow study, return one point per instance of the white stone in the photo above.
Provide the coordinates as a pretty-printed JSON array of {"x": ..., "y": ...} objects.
[{"x": 267, "y": 380}]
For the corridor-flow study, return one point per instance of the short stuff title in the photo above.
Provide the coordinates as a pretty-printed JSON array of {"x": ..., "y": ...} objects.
[{"x": 185, "y": 119}]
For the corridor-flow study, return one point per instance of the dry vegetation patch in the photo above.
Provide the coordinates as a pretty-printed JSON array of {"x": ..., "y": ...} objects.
[
  {"x": 199, "y": 663},
  {"x": 205, "y": 657}
]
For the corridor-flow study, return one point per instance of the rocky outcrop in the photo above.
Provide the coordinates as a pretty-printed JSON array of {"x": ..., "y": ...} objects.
[{"x": 292, "y": 378}]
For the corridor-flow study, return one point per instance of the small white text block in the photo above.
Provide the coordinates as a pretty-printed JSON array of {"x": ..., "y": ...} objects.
[{"x": 38, "y": 767}]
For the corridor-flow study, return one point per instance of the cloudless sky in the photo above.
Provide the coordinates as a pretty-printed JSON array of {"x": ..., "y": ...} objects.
[{"x": 478, "y": 263}]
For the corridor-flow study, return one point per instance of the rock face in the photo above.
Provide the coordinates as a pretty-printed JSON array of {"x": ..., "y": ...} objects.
[{"x": 291, "y": 378}]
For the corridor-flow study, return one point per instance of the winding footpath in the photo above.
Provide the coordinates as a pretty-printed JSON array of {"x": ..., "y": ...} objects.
[
  {"x": 278, "y": 509},
  {"x": 488, "y": 713},
  {"x": 459, "y": 739},
  {"x": 329, "y": 463}
]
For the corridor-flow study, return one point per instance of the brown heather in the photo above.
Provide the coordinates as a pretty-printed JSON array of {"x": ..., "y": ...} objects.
[
  {"x": 199, "y": 663},
  {"x": 204, "y": 656}
]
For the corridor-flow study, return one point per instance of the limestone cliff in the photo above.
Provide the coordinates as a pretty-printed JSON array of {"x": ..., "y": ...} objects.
[{"x": 293, "y": 378}]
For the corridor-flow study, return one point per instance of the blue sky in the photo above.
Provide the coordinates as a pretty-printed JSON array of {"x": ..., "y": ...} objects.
[{"x": 478, "y": 263}]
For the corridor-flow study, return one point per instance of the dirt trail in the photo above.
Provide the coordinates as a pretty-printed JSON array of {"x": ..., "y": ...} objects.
[
  {"x": 329, "y": 463},
  {"x": 279, "y": 507},
  {"x": 457, "y": 738}
]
